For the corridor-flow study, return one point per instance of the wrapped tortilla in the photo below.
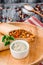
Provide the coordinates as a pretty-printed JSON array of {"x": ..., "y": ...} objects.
[
  {"x": 6, "y": 28},
  {"x": 18, "y": 31},
  {"x": 26, "y": 26}
]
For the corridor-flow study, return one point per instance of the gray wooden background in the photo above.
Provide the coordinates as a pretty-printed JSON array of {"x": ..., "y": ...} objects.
[
  {"x": 11, "y": 12},
  {"x": 19, "y": 1}
]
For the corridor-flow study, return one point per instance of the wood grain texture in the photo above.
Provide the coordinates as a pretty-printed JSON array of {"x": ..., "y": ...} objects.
[{"x": 35, "y": 54}]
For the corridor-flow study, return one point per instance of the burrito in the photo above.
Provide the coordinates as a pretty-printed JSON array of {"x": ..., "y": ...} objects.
[
  {"x": 26, "y": 26},
  {"x": 6, "y": 28},
  {"x": 18, "y": 31}
]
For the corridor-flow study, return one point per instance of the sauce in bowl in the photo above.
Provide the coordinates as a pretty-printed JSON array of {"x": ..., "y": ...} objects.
[
  {"x": 19, "y": 49},
  {"x": 19, "y": 46}
]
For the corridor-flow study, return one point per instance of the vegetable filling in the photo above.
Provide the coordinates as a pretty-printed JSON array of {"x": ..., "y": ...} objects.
[{"x": 21, "y": 34}]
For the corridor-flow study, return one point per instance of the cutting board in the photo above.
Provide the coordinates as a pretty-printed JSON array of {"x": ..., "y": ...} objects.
[{"x": 34, "y": 56}]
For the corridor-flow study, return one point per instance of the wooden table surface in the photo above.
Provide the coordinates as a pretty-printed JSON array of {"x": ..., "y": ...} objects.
[{"x": 35, "y": 54}]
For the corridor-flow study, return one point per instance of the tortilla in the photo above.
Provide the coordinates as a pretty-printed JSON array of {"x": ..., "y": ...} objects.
[
  {"x": 26, "y": 26},
  {"x": 17, "y": 29},
  {"x": 6, "y": 29}
]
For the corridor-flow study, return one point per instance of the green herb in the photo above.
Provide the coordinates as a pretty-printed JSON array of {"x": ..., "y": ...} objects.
[
  {"x": 6, "y": 39},
  {"x": 11, "y": 37},
  {"x": 7, "y": 43},
  {"x": 3, "y": 38}
]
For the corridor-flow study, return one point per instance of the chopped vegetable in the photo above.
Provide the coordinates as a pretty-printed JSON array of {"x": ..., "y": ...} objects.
[{"x": 20, "y": 34}]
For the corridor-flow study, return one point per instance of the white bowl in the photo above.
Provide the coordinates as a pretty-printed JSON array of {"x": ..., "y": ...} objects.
[{"x": 19, "y": 54}]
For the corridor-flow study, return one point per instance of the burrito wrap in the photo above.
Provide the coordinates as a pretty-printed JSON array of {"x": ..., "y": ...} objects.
[{"x": 6, "y": 28}]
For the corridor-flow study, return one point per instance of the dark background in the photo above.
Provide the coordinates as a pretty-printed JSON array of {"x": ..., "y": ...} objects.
[{"x": 20, "y": 1}]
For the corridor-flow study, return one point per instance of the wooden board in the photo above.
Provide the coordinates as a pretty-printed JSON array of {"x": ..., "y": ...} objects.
[{"x": 35, "y": 54}]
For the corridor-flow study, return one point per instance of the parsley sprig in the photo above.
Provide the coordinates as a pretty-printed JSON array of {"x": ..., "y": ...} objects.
[{"x": 6, "y": 39}]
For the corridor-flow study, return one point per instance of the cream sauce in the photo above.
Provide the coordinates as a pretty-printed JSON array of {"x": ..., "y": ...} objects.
[{"x": 18, "y": 46}]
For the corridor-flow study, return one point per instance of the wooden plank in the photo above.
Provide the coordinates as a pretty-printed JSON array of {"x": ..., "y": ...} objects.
[{"x": 35, "y": 54}]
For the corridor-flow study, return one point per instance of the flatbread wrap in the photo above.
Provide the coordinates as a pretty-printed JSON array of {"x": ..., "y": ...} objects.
[{"x": 18, "y": 31}]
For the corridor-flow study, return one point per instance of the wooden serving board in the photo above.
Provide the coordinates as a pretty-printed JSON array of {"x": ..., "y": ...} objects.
[{"x": 35, "y": 54}]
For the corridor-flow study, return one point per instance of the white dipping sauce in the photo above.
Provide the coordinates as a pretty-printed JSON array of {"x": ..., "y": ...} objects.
[
  {"x": 19, "y": 46},
  {"x": 19, "y": 49}
]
